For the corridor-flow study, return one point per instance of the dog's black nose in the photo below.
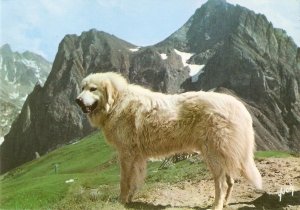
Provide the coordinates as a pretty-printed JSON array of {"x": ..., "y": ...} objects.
[{"x": 79, "y": 102}]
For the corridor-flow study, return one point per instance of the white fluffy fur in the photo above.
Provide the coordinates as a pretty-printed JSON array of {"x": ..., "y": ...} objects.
[{"x": 142, "y": 124}]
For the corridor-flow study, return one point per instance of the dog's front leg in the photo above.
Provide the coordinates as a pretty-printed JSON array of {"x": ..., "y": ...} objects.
[{"x": 133, "y": 171}]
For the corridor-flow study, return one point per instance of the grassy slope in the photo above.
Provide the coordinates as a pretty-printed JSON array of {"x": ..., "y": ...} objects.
[
  {"x": 93, "y": 165},
  {"x": 35, "y": 184}
]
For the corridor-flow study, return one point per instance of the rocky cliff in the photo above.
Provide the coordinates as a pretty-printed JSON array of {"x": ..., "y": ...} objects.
[
  {"x": 244, "y": 53},
  {"x": 19, "y": 73},
  {"x": 221, "y": 47}
]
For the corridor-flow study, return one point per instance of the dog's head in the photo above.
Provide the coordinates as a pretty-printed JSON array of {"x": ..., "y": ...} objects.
[{"x": 99, "y": 92}]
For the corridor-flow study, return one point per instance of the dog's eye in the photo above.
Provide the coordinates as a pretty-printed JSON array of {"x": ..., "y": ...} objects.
[
  {"x": 82, "y": 88},
  {"x": 93, "y": 89}
]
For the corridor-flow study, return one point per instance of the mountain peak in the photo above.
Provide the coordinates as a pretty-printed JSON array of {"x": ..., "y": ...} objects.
[
  {"x": 216, "y": 2},
  {"x": 211, "y": 4},
  {"x": 6, "y": 48},
  {"x": 210, "y": 24}
]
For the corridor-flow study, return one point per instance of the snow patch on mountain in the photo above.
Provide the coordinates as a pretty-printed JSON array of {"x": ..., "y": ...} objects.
[
  {"x": 207, "y": 37},
  {"x": 14, "y": 95},
  {"x": 134, "y": 49},
  {"x": 195, "y": 69},
  {"x": 3, "y": 122},
  {"x": 163, "y": 56},
  {"x": 184, "y": 56},
  {"x": 33, "y": 65}
]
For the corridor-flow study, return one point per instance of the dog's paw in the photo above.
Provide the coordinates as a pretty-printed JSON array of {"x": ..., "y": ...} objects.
[{"x": 125, "y": 199}]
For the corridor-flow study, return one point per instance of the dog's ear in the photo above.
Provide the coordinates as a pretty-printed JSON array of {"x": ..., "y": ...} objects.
[{"x": 109, "y": 94}]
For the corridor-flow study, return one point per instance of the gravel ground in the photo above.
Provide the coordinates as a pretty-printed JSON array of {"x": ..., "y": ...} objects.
[{"x": 279, "y": 175}]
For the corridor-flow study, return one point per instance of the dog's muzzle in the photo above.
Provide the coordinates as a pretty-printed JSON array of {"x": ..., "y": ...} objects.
[{"x": 86, "y": 109}]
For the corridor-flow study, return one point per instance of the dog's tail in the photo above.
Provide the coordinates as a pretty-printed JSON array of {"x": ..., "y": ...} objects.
[{"x": 250, "y": 172}]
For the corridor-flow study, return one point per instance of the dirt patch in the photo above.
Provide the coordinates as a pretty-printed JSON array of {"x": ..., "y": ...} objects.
[{"x": 281, "y": 178}]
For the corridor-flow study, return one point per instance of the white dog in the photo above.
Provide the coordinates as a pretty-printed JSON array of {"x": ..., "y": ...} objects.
[{"x": 141, "y": 124}]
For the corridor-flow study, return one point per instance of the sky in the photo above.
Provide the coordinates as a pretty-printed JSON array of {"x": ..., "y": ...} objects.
[{"x": 40, "y": 25}]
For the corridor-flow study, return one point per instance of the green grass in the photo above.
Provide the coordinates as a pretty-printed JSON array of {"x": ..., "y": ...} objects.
[
  {"x": 93, "y": 165},
  {"x": 275, "y": 154},
  {"x": 183, "y": 170},
  {"x": 36, "y": 185}
]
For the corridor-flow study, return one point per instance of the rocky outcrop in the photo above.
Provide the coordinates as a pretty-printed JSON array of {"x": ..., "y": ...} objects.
[
  {"x": 221, "y": 47},
  {"x": 157, "y": 71}
]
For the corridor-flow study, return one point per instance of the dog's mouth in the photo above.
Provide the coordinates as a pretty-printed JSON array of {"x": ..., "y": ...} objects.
[
  {"x": 89, "y": 109},
  {"x": 86, "y": 109}
]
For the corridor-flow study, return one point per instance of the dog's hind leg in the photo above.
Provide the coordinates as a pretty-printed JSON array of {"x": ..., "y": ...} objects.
[
  {"x": 230, "y": 183},
  {"x": 219, "y": 176},
  {"x": 133, "y": 171}
]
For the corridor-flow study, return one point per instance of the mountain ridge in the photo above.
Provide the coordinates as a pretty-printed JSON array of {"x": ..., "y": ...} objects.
[{"x": 19, "y": 74}]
